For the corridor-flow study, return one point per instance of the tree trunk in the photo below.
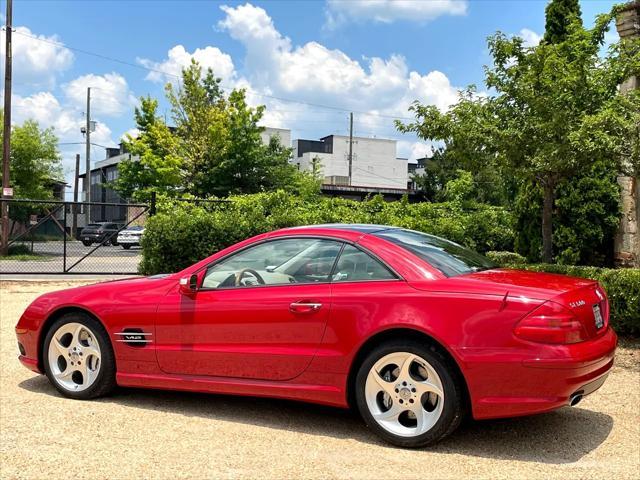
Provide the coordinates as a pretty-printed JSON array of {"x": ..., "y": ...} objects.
[{"x": 547, "y": 219}]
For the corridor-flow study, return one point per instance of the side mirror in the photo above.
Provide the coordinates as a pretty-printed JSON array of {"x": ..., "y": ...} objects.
[{"x": 189, "y": 285}]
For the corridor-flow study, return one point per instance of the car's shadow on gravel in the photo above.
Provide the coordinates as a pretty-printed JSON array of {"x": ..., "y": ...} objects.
[{"x": 563, "y": 436}]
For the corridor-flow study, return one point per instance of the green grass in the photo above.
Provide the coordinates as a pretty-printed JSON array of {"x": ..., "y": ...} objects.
[{"x": 26, "y": 257}]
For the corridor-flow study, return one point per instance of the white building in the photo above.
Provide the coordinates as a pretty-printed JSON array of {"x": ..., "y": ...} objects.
[
  {"x": 374, "y": 161},
  {"x": 282, "y": 133}
]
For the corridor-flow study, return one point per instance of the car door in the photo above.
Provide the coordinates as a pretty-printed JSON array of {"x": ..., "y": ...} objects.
[{"x": 259, "y": 313}]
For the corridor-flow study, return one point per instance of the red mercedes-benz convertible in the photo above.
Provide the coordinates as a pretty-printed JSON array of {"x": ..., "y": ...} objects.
[{"x": 413, "y": 330}]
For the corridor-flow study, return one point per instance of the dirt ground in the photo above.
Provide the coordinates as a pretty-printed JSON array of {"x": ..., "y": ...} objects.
[{"x": 153, "y": 434}]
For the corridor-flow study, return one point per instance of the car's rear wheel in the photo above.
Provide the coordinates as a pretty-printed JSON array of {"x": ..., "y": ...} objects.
[
  {"x": 78, "y": 358},
  {"x": 408, "y": 394},
  {"x": 126, "y": 247}
]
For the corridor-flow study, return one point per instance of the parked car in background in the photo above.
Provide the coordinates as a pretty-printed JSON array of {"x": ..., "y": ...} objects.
[
  {"x": 100, "y": 232},
  {"x": 412, "y": 330},
  {"x": 130, "y": 237}
]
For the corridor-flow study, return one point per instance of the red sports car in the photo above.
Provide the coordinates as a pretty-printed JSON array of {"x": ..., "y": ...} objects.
[{"x": 413, "y": 330}]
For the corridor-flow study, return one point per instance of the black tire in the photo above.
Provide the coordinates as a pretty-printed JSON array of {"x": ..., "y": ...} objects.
[
  {"x": 86, "y": 243},
  {"x": 106, "y": 379},
  {"x": 454, "y": 404},
  {"x": 114, "y": 241},
  {"x": 126, "y": 247}
]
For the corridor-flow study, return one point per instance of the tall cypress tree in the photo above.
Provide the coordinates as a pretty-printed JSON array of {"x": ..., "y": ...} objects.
[{"x": 559, "y": 15}]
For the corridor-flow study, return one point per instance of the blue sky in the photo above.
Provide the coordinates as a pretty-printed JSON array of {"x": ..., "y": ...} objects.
[{"x": 374, "y": 58}]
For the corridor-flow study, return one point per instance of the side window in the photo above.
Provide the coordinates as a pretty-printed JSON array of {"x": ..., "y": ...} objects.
[
  {"x": 354, "y": 265},
  {"x": 278, "y": 262}
]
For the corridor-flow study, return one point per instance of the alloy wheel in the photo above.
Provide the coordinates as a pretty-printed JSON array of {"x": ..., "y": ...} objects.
[
  {"x": 404, "y": 394},
  {"x": 74, "y": 357}
]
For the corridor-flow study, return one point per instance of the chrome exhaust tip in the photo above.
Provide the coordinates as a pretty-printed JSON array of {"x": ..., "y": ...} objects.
[{"x": 575, "y": 399}]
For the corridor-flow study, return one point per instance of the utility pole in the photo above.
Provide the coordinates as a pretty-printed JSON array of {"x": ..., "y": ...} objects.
[
  {"x": 350, "y": 146},
  {"x": 74, "y": 225},
  {"x": 6, "y": 136},
  {"x": 87, "y": 176}
]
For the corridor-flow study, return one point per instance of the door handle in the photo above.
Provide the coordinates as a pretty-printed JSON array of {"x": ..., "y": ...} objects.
[{"x": 305, "y": 307}]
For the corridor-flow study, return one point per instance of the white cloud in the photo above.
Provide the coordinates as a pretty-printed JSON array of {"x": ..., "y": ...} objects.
[
  {"x": 132, "y": 132},
  {"x": 339, "y": 12},
  {"x": 66, "y": 121},
  {"x": 316, "y": 74},
  {"x": 36, "y": 61},
  {"x": 531, "y": 38},
  {"x": 178, "y": 58},
  {"x": 414, "y": 150},
  {"x": 110, "y": 94},
  {"x": 275, "y": 69}
]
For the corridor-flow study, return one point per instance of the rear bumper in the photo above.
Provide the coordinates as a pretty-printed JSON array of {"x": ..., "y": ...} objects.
[
  {"x": 522, "y": 384},
  {"x": 128, "y": 241},
  {"x": 92, "y": 236}
]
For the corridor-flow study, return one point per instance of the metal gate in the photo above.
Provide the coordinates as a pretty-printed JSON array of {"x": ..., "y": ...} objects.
[{"x": 46, "y": 237}]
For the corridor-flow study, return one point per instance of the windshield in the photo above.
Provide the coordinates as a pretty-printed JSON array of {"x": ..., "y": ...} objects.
[{"x": 448, "y": 257}]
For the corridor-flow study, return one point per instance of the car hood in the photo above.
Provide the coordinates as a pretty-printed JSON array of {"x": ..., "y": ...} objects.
[
  {"x": 103, "y": 292},
  {"x": 535, "y": 285}
]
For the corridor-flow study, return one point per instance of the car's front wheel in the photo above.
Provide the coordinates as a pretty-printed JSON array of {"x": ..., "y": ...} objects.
[
  {"x": 87, "y": 243},
  {"x": 78, "y": 358},
  {"x": 408, "y": 394}
]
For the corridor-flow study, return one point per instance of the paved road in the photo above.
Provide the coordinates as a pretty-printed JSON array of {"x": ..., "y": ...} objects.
[
  {"x": 103, "y": 259},
  {"x": 161, "y": 435}
]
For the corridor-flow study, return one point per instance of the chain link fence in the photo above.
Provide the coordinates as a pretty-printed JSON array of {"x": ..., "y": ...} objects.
[{"x": 50, "y": 237}]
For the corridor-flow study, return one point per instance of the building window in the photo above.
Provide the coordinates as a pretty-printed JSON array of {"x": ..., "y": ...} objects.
[{"x": 112, "y": 175}]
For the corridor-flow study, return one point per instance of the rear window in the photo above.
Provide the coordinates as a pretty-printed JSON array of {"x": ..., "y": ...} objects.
[{"x": 448, "y": 257}]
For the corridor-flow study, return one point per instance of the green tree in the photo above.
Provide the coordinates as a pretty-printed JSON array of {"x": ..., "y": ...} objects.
[
  {"x": 559, "y": 15},
  {"x": 213, "y": 149},
  {"x": 35, "y": 160},
  {"x": 220, "y": 139},
  {"x": 462, "y": 133},
  {"x": 554, "y": 109},
  {"x": 159, "y": 168}
]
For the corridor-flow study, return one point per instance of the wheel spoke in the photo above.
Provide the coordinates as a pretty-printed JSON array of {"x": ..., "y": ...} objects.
[
  {"x": 90, "y": 351},
  {"x": 428, "y": 387},
  {"x": 387, "y": 387},
  {"x": 60, "y": 349},
  {"x": 406, "y": 365},
  {"x": 66, "y": 375},
  {"x": 75, "y": 342},
  {"x": 391, "y": 414}
]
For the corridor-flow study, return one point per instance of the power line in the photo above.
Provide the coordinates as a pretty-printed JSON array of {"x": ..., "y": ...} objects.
[{"x": 224, "y": 87}]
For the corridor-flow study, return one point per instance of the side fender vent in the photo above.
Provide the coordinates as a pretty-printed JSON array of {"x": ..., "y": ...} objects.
[{"x": 134, "y": 337}]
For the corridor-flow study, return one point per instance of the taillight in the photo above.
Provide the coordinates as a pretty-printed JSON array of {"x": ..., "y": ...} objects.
[{"x": 551, "y": 323}]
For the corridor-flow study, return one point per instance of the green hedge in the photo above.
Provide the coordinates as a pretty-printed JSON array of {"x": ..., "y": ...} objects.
[
  {"x": 622, "y": 287},
  {"x": 183, "y": 233}
]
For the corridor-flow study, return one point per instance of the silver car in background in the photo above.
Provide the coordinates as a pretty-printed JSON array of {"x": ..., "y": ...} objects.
[{"x": 130, "y": 237}]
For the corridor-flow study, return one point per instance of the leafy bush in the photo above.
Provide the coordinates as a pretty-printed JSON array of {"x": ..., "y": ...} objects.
[
  {"x": 184, "y": 232},
  {"x": 19, "y": 249},
  {"x": 506, "y": 258},
  {"x": 622, "y": 287},
  {"x": 587, "y": 213}
]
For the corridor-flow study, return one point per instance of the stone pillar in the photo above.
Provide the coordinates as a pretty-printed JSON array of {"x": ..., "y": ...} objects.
[{"x": 627, "y": 241}]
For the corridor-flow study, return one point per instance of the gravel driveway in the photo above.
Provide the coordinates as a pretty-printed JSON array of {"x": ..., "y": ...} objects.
[{"x": 153, "y": 434}]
